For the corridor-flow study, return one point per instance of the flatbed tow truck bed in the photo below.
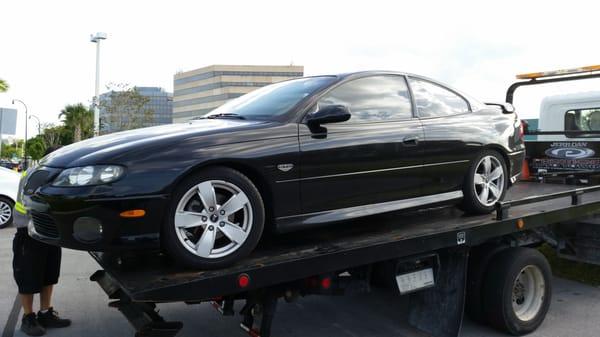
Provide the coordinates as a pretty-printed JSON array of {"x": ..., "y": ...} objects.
[{"x": 334, "y": 260}]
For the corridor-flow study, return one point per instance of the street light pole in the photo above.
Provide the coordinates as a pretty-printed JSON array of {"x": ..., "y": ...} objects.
[
  {"x": 25, "y": 166},
  {"x": 39, "y": 123},
  {"x": 96, "y": 39}
]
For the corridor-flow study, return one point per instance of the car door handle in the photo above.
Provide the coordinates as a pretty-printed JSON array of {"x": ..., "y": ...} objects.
[{"x": 410, "y": 140}]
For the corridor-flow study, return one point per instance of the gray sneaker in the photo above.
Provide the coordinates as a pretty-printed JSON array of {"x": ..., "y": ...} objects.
[{"x": 31, "y": 327}]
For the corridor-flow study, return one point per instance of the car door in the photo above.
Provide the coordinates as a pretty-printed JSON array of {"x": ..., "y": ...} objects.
[
  {"x": 450, "y": 135},
  {"x": 373, "y": 157}
]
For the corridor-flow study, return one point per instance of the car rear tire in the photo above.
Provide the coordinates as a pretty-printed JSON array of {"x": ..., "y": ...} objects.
[
  {"x": 485, "y": 184},
  {"x": 216, "y": 218},
  {"x": 517, "y": 291},
  {"x": 6, "y": 212}
]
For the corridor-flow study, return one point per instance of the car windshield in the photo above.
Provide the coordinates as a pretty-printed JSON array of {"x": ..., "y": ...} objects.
[{"x": 272, "y": 101}]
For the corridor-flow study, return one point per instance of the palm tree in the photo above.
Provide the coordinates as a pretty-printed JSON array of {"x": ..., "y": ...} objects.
[
  {"x": 3, "y": 85},
  {"x": 77, "y": 118}
]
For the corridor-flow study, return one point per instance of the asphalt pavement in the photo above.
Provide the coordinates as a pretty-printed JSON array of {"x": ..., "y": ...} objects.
[{"x": 575, "y": 310}]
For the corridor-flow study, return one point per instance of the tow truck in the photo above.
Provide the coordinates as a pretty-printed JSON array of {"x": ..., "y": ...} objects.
[
  {"x": 566, "y": 142},
  {"x": 443, "y": 263}
]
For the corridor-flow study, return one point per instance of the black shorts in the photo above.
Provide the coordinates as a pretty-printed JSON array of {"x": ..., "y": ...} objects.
[{"x": 35, "y": 264}]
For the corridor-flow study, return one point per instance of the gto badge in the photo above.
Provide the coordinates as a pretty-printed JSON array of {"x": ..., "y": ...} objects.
[
  {"x": 570, "y": 152},
  {"x": 285, "y": 167}
]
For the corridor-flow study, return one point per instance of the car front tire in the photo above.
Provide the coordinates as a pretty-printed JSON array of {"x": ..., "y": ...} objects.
[
  {"x": 6, "y": 212},
  {"x": 216, "y": 218},
  {"x": 485, "y": 184}
]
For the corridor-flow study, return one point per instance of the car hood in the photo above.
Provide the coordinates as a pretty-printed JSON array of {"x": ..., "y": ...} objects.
[{"x": 100, "y": 149}]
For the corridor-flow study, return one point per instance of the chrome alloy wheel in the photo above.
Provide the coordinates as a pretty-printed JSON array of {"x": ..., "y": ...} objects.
[
  {"x": 528, "y": 293},
  {"x": 489, "y": 180},
  {"x": 5, "y": 213},
  {"x": 213, "y": 219}
]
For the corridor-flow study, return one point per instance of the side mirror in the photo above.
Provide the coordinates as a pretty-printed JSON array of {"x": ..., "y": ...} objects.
[
  {"x": 329, "y": 114},
  {"x": 507, "y": 108}
]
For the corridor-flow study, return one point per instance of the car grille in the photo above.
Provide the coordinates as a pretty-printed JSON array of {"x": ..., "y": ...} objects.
[
  {"x": 44, "y": 225},
  {"x": 37, "y": 179}
]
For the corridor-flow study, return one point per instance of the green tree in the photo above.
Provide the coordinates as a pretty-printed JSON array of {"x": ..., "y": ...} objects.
[
  {"x": 12, "y": 150},
  {"x": 36, "y": 148},
  {"x": 125, "y": 109},
  {"x": 3, "y": 85},
  {"x": 79, "y": 120}
]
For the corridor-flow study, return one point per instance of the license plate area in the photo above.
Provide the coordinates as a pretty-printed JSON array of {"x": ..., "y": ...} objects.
[{"x": 417, "y": 274}]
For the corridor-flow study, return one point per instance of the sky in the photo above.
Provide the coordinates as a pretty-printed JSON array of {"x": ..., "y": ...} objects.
[{"x": 475, "y": 46}]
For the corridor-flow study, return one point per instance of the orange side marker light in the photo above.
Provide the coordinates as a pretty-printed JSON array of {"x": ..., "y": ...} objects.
[{"x": 133, "y": 213}]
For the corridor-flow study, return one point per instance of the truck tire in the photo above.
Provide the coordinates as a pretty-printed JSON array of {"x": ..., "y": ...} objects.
[
  {"x": 215, "y": 219},
  {"x": 517, "y": 291},
  {"x": 485, "y": 183}
]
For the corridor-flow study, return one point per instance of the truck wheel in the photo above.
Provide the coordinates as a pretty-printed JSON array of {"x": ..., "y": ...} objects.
[
  {"x": 215, "y": 219},
  {"x": 6, "y": 212},
  {"x": 485, "y": 183},
  {"x": 517, "y": 291}
]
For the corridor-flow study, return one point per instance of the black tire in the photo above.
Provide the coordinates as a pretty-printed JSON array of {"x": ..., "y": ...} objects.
[
  {"x": 173, "y": 246},
  {"x": 498, "y": 290},
  {"x": 8, "y": 202},
  {"x": 470, "y": 202}
]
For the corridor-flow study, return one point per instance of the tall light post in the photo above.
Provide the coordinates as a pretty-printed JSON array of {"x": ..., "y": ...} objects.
[
  {"x": 39, "y": 123},
  {"x": 96, "y": 39},
  {"x": 25, "y": 142}
]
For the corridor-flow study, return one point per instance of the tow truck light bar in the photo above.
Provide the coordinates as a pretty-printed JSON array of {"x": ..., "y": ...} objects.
[
  {"x": 562, "y": 75},
  {"x": 560, "y": 72}
]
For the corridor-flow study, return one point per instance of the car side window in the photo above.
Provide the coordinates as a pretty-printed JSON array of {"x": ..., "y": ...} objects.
[
  {"x": 372, "y": 99},
  {"x": 433, "y": 100}
]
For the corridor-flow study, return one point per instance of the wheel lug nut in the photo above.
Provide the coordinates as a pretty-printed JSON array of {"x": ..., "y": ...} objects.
[
  {"x": 222, "y": 212},
  {"x": 222, "y": 224},
  {"x": 211, "y": 228},
  {"x": 204, "y": 218},
  {"x": 211, "y": 209}
]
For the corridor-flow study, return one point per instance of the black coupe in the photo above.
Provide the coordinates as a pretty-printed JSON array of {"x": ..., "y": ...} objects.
[{"x": 292, "y": 155}]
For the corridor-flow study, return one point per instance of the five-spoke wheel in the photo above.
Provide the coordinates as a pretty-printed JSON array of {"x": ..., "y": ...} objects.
[
  {"x": 217, "y": 217},
  {"x": 485, "y": 183},
  {"x": 488, "y": 180}
]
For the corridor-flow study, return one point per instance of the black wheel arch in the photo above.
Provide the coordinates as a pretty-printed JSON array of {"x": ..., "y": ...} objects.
[{"x": 249, "y": 171}]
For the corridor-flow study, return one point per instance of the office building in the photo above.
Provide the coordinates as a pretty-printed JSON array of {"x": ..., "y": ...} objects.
[
  {"x": 160, "y": 106},
  {"x": 199, "y": 91}
]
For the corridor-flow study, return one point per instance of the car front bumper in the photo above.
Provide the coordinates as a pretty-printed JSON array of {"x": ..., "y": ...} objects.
[{"x": 96, "y": 224}]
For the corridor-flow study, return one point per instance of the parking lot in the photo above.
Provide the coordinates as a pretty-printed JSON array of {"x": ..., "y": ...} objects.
[{"x": 575, "y": 310}]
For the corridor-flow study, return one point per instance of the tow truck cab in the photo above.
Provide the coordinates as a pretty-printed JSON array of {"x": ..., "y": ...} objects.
[{"x": 564, "y": 142}]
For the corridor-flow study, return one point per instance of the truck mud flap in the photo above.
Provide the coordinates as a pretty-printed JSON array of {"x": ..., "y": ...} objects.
[{"x": 438, "y": 311}]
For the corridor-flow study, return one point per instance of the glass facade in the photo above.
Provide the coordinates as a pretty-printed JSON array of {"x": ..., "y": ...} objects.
[
  {"x": 160, "y": 103},
  {"x": 210, "y": 74},
  {"x": 200, "y": 91}
]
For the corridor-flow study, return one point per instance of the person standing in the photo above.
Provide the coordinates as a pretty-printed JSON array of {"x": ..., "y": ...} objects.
[{"x": 36, "y": 268}]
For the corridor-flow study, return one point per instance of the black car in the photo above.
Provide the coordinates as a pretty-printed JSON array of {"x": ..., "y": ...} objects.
[{"x": 290, "y": 156}]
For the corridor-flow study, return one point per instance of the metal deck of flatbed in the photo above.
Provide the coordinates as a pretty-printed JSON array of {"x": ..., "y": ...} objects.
[{"x": 302, "y": 254}]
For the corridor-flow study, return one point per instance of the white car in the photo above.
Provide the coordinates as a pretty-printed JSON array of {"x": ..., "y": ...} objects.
[{"x": 9, "y": 185}]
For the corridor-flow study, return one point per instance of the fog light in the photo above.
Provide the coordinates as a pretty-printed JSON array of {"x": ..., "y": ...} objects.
[{"x": 87, "y": 229}]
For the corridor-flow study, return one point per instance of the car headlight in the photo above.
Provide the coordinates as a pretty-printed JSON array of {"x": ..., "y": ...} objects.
[{"x": 89, "y": 175}]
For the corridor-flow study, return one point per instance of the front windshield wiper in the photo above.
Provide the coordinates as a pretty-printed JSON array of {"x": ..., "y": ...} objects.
[{"x": 224, "y": 115}]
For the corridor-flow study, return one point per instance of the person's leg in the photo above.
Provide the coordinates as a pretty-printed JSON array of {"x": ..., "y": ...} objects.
[
  {"x": 46, "y": 297},
  {"x": 47, "y": 317},
  {"x": 28, "y": 276},
  {"x": 27, "y": 303}
]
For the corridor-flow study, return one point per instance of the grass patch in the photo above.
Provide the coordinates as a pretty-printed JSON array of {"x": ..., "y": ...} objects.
[{"x": 571, "y": 270}]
